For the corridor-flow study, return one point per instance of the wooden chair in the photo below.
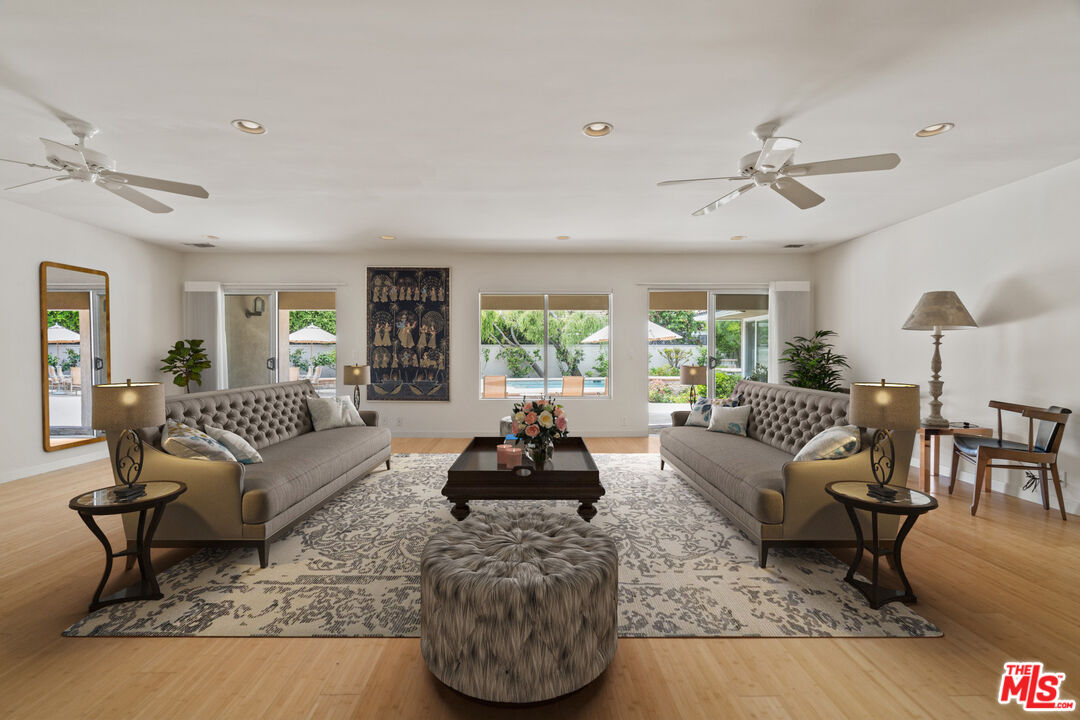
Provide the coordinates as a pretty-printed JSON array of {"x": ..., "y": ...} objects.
[
  {"x": 325, "y": 376},
  {"x": 494, "y": 386},
  {"x": 55, "y": 379},
  {"x": 573, "y": 386},
  {"x": 1039, "y": 453},
  {"x": 75, "y": 379},
  {"x": 294, "y": 373}
]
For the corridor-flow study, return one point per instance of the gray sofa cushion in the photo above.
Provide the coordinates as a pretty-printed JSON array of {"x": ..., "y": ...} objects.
[
  {"x": 786, "y": 417},
  {"x": 749, "y": 472},
  {"x": 294, "y": 469}
]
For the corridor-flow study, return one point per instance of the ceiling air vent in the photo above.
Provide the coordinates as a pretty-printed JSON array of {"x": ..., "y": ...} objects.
[
  {"x": 201, "y": 245},
  {"x": 793, "y": 246}
]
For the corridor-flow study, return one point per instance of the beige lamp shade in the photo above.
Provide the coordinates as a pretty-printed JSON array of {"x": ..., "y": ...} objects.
[
  {"x": 890, "y": 406},
  {"x": 357, "y": 375},
  {"x": 125, "y": 406},
  {"x": 940, "y": 309},
  {"x": 692, "y": 375}
]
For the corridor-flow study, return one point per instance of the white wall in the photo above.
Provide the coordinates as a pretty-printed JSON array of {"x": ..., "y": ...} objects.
[
  {"x": 144, "y": 287},
  {"x": 1013, "y": 256},
  {"x": 627, "y": 276}
]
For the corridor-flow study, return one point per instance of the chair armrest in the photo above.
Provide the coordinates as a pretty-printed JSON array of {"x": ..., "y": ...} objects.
[
  {"x": 370, "y": 417},
  {"x": 678, "y": 418},
  {"x": 1011, "y": 407},
  {"x": 1040, "y": 414},
  {"x": 210, "y": 508}
]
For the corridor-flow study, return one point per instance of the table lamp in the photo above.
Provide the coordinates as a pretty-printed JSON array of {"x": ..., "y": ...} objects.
[
  {"x": 937, "y": 311},
  {"x": 884, "y": 407},
  {"x": 357, "y": 375},
  {"x": 692, "y": 375},
  {"x": 124, "y": 407}
]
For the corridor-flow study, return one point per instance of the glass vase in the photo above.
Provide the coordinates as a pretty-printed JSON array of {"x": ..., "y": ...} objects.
[{"x": 539, "y": 450}]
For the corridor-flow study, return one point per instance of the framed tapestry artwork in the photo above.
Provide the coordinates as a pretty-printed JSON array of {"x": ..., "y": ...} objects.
[{"x": 408, "y": 333}]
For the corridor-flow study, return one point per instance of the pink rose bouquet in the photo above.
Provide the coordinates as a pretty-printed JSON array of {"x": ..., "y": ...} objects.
[{"x": 539, "y": 421}]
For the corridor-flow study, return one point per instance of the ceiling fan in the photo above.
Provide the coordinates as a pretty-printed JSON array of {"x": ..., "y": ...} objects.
[
  {"x": 78, "y": 162},
  {"x": 771, "y": 167}
]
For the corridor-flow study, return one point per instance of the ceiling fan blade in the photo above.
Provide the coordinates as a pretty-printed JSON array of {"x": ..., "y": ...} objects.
[
  {"x": 679, "y": 182},
  {"x": 144, "y": 201},
  {"x": 797, "y": 193},
  {"x": 155, "y": 184},
  {"x": 36, "y": 185},
  {"x": 724, "y": 200},
  {"x": 33, "y": 165},
  {"x": 845, "y": 165},
  {"x": 775, "y": 152},
  {"x": 63, "y": 154}
]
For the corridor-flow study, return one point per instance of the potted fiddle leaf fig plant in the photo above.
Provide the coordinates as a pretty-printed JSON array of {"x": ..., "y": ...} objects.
[
  {"x": 185, "y": 362},
  {"x": 812, "y": 364}
]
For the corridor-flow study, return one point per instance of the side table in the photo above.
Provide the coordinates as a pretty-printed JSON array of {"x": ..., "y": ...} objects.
[
  {"x": 930, "y": 448},
  {"x": 105, "y": 502},
  {"x": 910, "y": 503}
]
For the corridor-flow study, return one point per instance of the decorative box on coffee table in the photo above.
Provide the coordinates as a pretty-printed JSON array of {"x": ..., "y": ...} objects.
[{"x": 570, "y": 474}]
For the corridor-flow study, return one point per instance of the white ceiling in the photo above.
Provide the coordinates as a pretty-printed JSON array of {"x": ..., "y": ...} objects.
[{"x": 458, "y": 125}]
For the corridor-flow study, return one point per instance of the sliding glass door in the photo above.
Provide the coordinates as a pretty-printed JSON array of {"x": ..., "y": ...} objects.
[{"x": 251, "y": 338}]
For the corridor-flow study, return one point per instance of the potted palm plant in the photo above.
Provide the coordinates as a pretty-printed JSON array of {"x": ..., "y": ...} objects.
[{"x": 812, "y": 364}]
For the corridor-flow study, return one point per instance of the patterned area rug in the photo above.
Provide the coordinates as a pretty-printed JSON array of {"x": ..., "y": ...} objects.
[{"x": 351, "y": 570}]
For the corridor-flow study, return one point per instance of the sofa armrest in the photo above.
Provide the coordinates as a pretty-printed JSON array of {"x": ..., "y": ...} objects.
[
  {"x": 678, "y": 418},
  {"x": 370, "y": 417},
  {"x": 208, "y": 510}
]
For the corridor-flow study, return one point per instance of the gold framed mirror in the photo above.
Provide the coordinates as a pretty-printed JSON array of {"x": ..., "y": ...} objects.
[{"x": 74, "y": 351}]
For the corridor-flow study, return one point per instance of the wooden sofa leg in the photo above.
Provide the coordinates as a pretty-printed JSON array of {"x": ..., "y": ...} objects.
[
  {"x": 764, "y": 554},
  {"x": 661, "y": 463},
  {"x": 264, "y": 553},
  {"x": 387, "y": 463}
]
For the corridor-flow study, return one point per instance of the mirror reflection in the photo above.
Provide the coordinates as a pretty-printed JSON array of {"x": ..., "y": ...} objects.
[{"x": 74, "y": 349}]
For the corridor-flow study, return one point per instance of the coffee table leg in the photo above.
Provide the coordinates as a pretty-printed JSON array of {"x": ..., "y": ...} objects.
[
  {"x": 586, "y": 510},
  {"x": 89, "y": 520},
  {"x": 460, "y": 511}
]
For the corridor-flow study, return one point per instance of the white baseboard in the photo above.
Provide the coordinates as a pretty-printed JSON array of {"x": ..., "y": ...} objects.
[
  {"x": 404, "y": 432},
  {"x": 64, "y": 461}
]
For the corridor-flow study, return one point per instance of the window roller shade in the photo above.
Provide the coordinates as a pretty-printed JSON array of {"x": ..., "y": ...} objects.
[
  {"x": 577, "y": 302},
  {"x": 307, "y": 300},
  {"x": 511, "y": 302},
  {"x": 691, "y": 300}
]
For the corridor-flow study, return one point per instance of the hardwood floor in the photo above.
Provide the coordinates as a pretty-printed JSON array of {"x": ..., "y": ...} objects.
[{"x": 1002, "y": 585}]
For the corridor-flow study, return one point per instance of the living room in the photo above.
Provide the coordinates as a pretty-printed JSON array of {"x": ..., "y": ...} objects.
[{"x": 512, "y": 156}]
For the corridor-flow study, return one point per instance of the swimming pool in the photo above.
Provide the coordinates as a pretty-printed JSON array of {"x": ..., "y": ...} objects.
[{"x": 593, "y": 386}]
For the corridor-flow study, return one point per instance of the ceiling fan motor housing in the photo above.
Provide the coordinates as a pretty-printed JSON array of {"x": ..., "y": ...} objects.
[{"x": 746, "y": 162}]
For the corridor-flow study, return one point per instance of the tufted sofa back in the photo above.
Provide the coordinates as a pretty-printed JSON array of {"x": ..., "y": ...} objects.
[
  {"x": 788, "y": 417},
  {"x": 263, "y": 415}
]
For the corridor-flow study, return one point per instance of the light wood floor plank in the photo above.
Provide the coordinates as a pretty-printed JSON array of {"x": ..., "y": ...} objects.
[{"x": 1002, "y": 585}]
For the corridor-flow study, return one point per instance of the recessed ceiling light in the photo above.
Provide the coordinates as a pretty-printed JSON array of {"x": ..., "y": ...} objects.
[
  {"x": 211, "y": 237},
  {"x": 388, "y": 237},
  {"x": 793, "y": 246},
  {"x": 935, "y": 129},
  {"x": 249, "y": 126},
  {"x": 738, "y": 237},
  {"x": 562, "y": 237},
  {"x": 597, "y": 129}
]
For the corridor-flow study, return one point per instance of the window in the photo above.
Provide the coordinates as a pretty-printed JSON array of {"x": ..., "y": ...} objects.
[{"x": 532, "y": 345}]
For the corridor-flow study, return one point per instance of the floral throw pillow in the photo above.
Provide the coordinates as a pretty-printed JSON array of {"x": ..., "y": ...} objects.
[
  {"x": 187, "y": 442},
  {"x": 700, "y": 414},
  {"x": 731, "y": 420},
  {"x": 832, "y": 443},
  {"x": 241, "y": 449}
]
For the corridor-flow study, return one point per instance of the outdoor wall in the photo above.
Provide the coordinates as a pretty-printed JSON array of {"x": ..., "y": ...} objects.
[
  {"x": 144, "y": 285},
  {"x": 628, "y": 277},
  {"x": 1013, "y": 256}
]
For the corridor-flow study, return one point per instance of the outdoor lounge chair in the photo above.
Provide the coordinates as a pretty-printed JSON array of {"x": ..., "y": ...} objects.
[
  {"x": 573, "y": 386},
  {"x": 494, "y": 386}
]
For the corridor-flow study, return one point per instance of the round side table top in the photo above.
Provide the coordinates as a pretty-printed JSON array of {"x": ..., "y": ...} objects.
[
  {"x": 858, "y": 494},
  {"x": 103, "y": 501}
]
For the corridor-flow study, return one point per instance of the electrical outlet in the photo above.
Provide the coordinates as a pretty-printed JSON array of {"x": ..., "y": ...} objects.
[
  {"x": 624, "y": 421},
  {"x": 397, "y": 422}
]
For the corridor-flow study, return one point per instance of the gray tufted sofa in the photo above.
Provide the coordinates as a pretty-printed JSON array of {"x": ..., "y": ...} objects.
[
  {"x": 754, "y": 480},
  {"x": 227, "y": 503}
]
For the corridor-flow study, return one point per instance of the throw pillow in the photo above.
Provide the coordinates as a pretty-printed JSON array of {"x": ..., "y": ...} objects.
[
  {"x": 238, "y": 446},
  {"x": 329, "y": 413},
  {"x": 187, "y": 442},
  {"x": 732, "y": 420},
  {"x": 699, "y": 414},
  {"x": 832, "y": 443}
]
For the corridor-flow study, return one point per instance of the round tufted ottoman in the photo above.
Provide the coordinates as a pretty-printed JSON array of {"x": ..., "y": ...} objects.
[{"x": 518, "y": 608}]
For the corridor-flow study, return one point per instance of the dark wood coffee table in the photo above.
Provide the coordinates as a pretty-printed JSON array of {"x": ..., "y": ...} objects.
[{"x": 571, "y": 474}]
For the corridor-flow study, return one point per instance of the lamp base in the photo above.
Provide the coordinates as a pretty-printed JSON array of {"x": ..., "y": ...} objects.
[
  {"x": 880, "y": 492},
  {"x": 125, "y": 493},
  {"x": 935, "y": 422}
]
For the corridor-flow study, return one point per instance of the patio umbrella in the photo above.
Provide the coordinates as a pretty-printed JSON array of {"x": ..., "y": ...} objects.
[
  {"x": 60, "y": 335},
  {"x": 311, "y": 336},
  {"x": 656, "y": 334}
]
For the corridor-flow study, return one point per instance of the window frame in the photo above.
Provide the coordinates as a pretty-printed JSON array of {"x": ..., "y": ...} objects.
[{"x": 609, "y": 391}]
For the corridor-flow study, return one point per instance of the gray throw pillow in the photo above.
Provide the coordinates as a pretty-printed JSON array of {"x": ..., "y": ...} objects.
[
  {"x": 732, "y": 420},
  {"x": 329, "y": 413},
  {"x": 187, "y": 442},
  {"x": 833, "y": 443},
  {"x": 238, "y": 446}
]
